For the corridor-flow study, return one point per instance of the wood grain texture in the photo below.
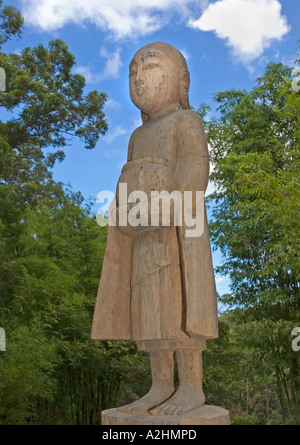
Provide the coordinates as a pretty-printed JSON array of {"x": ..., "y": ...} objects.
[{"x": 157, "y": 283}]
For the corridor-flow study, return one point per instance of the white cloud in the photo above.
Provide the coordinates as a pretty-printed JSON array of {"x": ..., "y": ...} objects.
[
  {"x": 113, "y": 64},
  {"x": 224, "y": 281},
  {"x": 211, "y": 186},
  {"x": 118, "y": 131},
  {"x": 17, "y": 51},
  {"x": 112, "y": 103},
  {"x": 86, "y": 72},
  {"x": 129, "y": 18},
  {"x": 248, "y": 26},
  {"x": 111, "y": 68}
]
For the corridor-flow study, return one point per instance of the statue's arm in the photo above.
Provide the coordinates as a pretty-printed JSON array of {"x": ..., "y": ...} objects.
[
  {"x": 192, "y": 169},
  {"x": 116, "y": 208}
]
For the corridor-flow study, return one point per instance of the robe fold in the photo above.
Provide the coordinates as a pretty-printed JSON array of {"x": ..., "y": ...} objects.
[{"x": 160, "y": 284}]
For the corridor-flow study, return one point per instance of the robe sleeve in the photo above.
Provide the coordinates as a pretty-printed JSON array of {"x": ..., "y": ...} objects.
[{"x": 192, "y": 171}]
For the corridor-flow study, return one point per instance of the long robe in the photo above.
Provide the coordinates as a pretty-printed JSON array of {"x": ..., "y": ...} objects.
[{"x": 176, "y": 299}]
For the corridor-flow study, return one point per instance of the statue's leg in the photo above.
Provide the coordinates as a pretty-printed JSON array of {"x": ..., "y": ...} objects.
[
  {"x": 162, "y": 371},
  {"x": 189, "y": 394}
]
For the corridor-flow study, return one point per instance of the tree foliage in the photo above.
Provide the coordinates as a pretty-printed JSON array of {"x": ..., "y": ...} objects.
[
  {"x": 51, "y": 248},
  {"x": 255, "y": 149},
  {"x": 11, "y": 22}
]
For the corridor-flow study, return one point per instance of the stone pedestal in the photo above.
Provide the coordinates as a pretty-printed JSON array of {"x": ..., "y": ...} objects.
[{"x": 204, "y": 415}]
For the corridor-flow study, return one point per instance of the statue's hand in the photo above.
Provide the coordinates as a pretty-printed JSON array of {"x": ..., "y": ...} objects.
[{"x": 127, "y": 224}]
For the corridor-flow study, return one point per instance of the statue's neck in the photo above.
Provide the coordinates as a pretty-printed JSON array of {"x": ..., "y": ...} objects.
[{"x": 170, "y": 109}]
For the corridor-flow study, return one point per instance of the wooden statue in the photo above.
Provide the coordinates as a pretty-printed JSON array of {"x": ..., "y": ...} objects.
[{"x": 157, "y": 284}]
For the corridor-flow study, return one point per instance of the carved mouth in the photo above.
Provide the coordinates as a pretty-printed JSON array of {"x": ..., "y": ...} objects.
[{"x": 139, "y": 90}]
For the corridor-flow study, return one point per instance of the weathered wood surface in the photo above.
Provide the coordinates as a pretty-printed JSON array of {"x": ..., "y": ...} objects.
[
  {"x": 205, "y": 415},
  {"x": 157, "y": 284}
]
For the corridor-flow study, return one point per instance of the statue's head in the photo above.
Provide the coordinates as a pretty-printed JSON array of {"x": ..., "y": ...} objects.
[{"x": 158, "y": 78}]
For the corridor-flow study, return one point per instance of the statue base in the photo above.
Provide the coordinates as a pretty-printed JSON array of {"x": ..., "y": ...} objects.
[{"x": 204, "y": 415}]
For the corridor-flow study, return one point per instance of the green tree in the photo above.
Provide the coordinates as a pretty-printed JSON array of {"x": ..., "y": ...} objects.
[
  {"x": 48, "y": 108},
  {"x": 51, "y": 250},
  {"x": 11, "y": 22},
  {"x": 255, "y": 148},
  {"x": 234, "y": 377}
]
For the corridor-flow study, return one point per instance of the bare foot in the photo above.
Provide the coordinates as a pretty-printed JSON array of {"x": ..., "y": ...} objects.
[
  {"x": 154, "y": 397},
  {"x": 184, "y": 400}
]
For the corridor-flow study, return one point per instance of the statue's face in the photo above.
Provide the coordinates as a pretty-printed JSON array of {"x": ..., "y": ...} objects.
[{"x": 153, "y": 80}]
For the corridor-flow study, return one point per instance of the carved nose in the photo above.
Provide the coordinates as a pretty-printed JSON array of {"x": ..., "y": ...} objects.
[
  {"x": 138, "y": 82},
  {"x": 139, "y": 74}
]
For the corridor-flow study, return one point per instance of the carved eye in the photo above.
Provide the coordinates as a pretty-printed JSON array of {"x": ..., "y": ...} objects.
[{"x": 151, "y": 65}]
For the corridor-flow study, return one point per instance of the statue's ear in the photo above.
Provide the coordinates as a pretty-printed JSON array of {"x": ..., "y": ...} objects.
[
  {"x": 144, "y": 117},
  {"x": 184, "y": 90}
]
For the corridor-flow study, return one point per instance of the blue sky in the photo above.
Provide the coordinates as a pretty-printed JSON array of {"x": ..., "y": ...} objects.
[{"x": 227, "y": 44}]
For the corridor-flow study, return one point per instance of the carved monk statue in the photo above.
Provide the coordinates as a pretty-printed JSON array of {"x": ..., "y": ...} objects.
[{"x": 157, "y": 284}]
